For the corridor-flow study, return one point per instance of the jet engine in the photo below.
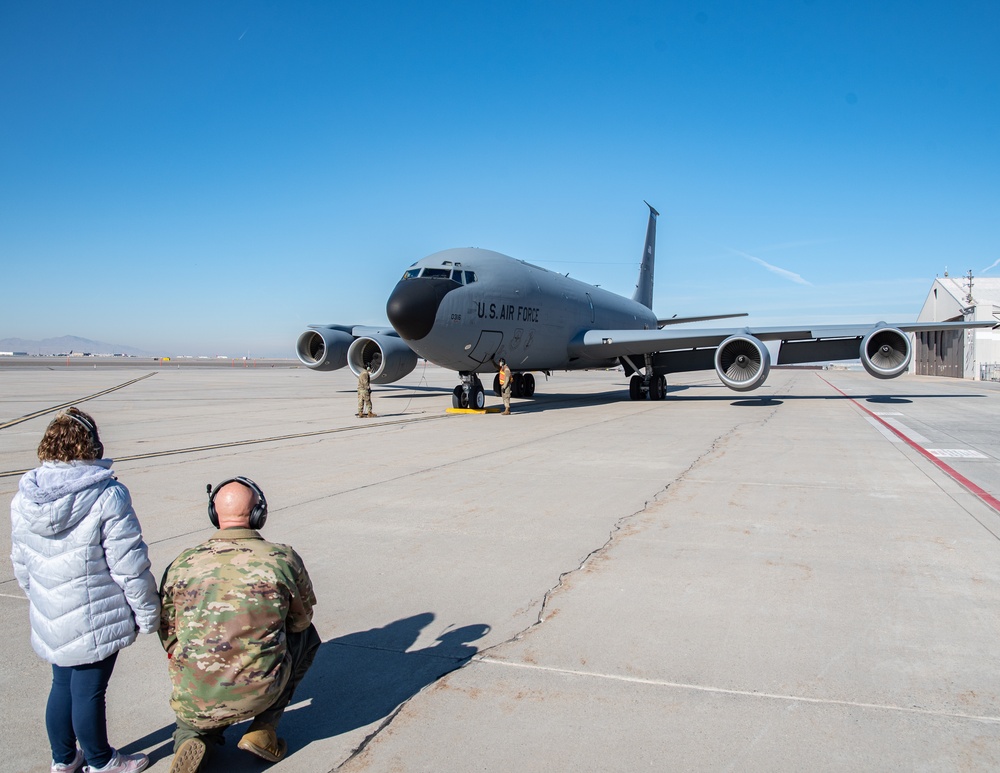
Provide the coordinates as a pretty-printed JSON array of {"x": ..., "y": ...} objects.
[
  {"x": 389, "y": 357},
  {"x": 885, "y": 352},
  {"x": 742, "y": 362},
  {"x": 323, "y": 349}
]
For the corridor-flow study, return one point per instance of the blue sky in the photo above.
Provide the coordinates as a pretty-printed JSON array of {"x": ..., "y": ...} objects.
[{"x": 208, "y": 178}]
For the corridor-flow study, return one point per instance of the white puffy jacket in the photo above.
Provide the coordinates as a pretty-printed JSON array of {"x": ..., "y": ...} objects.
[{"x": 79, "y": 556}]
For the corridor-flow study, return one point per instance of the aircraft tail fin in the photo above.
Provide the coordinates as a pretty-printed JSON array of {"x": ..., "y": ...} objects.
[{"x": 644, "y": 287}]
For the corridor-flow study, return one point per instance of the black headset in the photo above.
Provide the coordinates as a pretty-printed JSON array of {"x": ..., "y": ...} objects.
[
  {"x": 91, "y": 430},
  {"x": 258, "y": 516}
]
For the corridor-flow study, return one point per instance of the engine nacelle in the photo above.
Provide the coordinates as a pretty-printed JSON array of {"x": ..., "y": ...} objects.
[
  {"x": 323, "y": 349},
  {"x": 886, "y": 352},
  {"x": 742, "y": 362},
  {"x": 390, "y": 358}
]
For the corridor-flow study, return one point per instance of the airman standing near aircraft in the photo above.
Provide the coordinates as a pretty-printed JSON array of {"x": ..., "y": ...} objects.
[
  {"x": 506, "y": 383},
  {"x": 365, "y": 394}
]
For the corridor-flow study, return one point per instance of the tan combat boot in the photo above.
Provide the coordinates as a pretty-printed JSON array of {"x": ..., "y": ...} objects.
[
  {"x": 262, "y": 740},
  {"x": 188, "y": 757}
]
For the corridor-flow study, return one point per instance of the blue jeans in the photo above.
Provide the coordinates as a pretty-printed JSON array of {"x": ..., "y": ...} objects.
[{"x": 75, "y": 711}]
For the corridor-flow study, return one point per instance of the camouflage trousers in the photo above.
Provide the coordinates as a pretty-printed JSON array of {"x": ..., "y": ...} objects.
[
  {"x": 302, "y": 648},
  {"x": 505, "y": 395},
  {"x": 364, "y": 400}
]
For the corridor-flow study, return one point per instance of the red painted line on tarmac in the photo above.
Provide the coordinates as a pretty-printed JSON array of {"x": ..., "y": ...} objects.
[{"x": 982, "y": 494}]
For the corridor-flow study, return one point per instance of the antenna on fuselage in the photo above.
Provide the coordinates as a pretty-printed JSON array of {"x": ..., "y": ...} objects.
[{"x": 644, "y": 287}]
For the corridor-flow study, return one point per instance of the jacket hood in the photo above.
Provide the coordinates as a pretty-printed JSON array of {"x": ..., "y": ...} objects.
[{"x": 57, "y": 495}]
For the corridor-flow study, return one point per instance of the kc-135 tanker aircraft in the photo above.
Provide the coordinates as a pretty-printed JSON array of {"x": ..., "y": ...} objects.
[{"x": 464, "y": 309}]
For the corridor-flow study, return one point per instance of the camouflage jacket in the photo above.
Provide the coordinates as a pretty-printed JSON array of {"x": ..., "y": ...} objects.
[
  {"x": 364, "y": 382},
  {"x": 226, "y": 605}
]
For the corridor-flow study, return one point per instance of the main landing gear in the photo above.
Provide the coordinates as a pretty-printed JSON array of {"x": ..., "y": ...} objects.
[
  {"x": 655, "y": 386},
  {"x": 523, "y": 386},
  {"x": 652, "y": 383}
]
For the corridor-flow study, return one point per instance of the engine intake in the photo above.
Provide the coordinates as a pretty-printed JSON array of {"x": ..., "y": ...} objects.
[
  {"x": 390, "y": 358},
  {"x": 742, "y": 362},
  {"x": 323, "y": 349},
  {"x": 886, "y": 352}
]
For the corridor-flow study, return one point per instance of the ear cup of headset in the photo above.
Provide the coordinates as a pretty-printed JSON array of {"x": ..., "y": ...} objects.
[
  {"x": 91, "y": 430},
  {"x": 258, "y": 516}
]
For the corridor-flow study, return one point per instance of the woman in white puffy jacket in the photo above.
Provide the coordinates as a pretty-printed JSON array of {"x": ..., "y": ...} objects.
[{"x": 79, "y": 556}]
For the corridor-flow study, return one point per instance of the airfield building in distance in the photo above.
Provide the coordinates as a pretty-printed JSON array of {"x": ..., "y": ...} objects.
[{"x": 972, "y": 354}]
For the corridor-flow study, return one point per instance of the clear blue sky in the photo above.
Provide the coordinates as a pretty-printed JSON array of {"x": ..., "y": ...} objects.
[{"x": 211, "y": 177}]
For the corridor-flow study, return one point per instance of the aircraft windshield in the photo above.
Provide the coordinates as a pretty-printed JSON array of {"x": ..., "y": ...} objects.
[{"x": 461, "y": 277}]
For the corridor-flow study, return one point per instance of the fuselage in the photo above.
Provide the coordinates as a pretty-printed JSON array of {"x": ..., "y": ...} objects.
[{"x": 464, "y": 308}]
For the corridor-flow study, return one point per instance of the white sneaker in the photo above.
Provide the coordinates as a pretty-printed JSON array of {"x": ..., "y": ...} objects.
[
  {"x": 69, "y": 767},
  {"x": 121, "y": 763}
]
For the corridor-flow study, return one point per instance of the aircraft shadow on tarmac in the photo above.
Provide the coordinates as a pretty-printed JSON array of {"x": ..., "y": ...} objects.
[
  {"x": 549, "y": 401},
  {"x": 356, "y": 680},
  {"x": 765, "y": 400},
  {"x": 555, "y": 401}
]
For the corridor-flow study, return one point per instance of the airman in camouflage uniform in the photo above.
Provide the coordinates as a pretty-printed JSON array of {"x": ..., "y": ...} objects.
[
  {"x": 506, "y": 384},
  {"x": 365, "y": 393},
  {"x": 236, "y": 625}
]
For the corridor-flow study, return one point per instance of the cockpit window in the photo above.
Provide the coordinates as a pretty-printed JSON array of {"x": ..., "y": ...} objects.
[{"x": 454, "y": 275}]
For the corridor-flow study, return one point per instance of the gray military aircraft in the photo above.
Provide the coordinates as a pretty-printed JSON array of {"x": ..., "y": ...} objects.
[{"x": 464, "y": 309}]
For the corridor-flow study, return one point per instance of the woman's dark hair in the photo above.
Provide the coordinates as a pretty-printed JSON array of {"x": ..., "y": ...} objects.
[{"x": 70, "y": 437}]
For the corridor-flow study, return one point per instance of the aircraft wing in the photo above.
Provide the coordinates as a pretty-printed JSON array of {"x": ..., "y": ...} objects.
[
  {"x": 675, "y": 320},
  {"x": 811, "y": 344}
]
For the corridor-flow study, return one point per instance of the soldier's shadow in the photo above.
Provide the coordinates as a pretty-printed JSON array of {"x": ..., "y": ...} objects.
[
  {"x": 356, "y": 680},
  {"x": 362, "y": 677}
]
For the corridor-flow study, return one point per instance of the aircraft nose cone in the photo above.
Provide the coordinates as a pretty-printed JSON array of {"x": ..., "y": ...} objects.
[{"x": 413, "y": 305}]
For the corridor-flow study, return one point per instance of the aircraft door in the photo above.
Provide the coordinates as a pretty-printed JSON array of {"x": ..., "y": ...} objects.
[{"x": 486, "y": 347}]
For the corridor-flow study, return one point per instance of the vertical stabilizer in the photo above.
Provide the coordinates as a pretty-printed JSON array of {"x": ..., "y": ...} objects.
[{"x": 644, "y": 288}]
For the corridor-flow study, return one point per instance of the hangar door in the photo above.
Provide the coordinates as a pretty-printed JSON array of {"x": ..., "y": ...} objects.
[{"x": 940, "y": 353}]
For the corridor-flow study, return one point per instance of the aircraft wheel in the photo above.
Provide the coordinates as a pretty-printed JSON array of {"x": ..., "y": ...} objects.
[
  {"x": 656, "y": 388},
  {"x": 496, "y": 385},
  {"x": 458, "y": 398},
  {"x": 663, "y": 387},
  {"x": 529, "y": 385},
  {"x": 635, "y": 388},
  {"x": 477, "y": 397},
  {"x": 517, "y": 389}
]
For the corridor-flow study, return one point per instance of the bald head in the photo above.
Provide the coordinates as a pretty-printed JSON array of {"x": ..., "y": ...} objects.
[{"x": 233, "y": 505}]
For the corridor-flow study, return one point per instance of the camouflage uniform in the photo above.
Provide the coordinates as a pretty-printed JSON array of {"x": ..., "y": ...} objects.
[
  {"x": 506, "y": 384},
  {"x": 236, "y": 624},
  {"x": 364, "y": 393}
]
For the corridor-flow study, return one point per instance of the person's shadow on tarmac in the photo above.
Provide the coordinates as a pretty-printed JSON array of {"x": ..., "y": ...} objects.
[{"x": 355, "y": 680}]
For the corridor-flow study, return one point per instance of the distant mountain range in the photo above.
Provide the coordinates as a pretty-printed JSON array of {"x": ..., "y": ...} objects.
[{"x": 67, "y": 344}]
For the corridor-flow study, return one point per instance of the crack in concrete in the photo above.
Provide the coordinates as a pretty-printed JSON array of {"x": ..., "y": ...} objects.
[{"x": 560, "y": 581}]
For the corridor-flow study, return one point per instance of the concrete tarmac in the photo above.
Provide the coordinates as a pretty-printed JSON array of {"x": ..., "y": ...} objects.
[{"x": 783, "y": 580}]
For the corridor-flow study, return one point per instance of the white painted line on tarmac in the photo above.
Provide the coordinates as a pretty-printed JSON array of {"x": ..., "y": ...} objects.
[
  {"x": 880, "y": 413},
  {"x": 956, "y": 453},
  {"x": 916, "y": 437},
  {"x": 744, "y": 693},
  {"x": 883, "y": 431}
]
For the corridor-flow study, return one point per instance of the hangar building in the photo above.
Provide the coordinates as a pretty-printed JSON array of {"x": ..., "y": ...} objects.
[{"x": 973, "y": 354}]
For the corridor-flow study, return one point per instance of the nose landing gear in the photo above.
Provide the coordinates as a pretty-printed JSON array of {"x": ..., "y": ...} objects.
[{"x": 470, "y": 393}]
